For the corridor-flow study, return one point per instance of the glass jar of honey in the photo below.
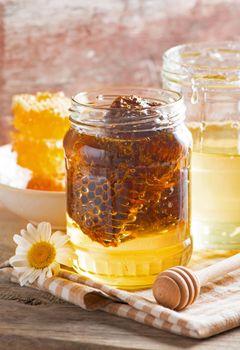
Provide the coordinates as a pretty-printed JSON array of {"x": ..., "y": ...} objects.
[
  {"x": 208, "y": 76},
  {"x": 128, "y": 168}
]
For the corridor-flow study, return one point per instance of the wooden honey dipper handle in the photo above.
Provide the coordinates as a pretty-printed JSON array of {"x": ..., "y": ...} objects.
[
  {"x": 213, "y": 272},
  {"x": 178, "y": 287}
]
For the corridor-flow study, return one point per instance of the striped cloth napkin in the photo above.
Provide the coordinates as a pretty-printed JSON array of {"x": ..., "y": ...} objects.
[{"x": 217, "y": 309}]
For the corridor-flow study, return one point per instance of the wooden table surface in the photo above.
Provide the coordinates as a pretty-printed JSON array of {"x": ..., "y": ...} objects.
[{"x": 33, "y": 320}]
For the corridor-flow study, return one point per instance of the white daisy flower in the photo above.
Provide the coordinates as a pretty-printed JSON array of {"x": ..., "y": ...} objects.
[{"x": 39, "y": 253}]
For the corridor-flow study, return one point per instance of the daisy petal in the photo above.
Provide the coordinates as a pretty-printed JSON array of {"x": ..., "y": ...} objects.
[
  {"x": 23, "y": 279},
  {"x": 67, "y": 250},
  {"x": 44, "y": 231},
  {"x": 19, "y": 240},
  {"x": 22, "y": 232},
  {"x": 21, "y": 250},
  {"x": 18, "y": 263},
  {"x": 34, "y": 275},
  {"x": 42, "y": 277},
  {"x": 59, "y": 239},
  {"x": 65, "y": 256},
  {"x": 28, "y": 236},
  {"x": 32, "y": 230},
  {"x": 18, "y": 256}
]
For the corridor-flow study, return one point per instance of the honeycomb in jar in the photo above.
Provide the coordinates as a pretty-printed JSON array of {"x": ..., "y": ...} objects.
[
  {"x": 40, "y": 123},
  {"x": 120, "y": 187},
  {"x": 94, "y": 210}
]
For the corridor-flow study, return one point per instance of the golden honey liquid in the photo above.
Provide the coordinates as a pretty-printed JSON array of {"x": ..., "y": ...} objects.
[
  {"x": 216, "y": 185},
  {"x": 133, "y": 264},
  {"x": 128, "y": 204}
]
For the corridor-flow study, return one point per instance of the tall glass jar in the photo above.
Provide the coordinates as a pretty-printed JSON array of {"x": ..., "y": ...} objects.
[
  {"x": 208, "y": 76},
  {"x": 127, "y": 160}
]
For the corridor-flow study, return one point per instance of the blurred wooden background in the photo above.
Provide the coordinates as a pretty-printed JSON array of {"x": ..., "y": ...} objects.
[{"x": 72, "y": 45}]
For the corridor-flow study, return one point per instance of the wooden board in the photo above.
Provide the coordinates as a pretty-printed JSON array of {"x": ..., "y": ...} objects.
[{"x": 34, "y": 320}]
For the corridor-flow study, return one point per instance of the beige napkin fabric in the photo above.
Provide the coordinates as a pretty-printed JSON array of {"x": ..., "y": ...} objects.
[{"x": 217, "y": 309}]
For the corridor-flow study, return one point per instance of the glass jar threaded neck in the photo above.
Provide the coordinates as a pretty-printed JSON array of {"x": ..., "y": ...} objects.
[{"x": 94, "y": 109}]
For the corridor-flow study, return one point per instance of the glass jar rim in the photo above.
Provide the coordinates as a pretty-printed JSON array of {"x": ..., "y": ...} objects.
[
  {"x": 174, "y": 97},
  {"x": 88, "y": 114},
  {"x": 232, "y": 47}
]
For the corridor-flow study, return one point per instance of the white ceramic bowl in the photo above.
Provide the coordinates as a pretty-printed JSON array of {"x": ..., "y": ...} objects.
[
  {"x": 36, "y": 206},
  {"x": 33, "y": 205}
]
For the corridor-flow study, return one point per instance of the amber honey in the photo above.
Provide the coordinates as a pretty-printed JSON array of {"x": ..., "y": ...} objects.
[{"x": 128, "y": 195}]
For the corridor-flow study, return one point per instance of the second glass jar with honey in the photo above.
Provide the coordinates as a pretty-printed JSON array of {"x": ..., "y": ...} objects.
[
  {"x": 208, "y": 76},
  {"x": 128, "y": 169}
]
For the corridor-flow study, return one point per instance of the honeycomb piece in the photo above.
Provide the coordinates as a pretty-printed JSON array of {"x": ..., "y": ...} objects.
[
  {"x": 124, "y": 108},
  {"x": 44, "y": 115},
  {"x": 46, "y": 183},
  {"x": 133, "y": 102},
  {"x": 43, "y": 157}
]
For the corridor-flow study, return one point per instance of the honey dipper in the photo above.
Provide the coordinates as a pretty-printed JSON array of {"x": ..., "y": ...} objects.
[{"x": 179, "y": 287}]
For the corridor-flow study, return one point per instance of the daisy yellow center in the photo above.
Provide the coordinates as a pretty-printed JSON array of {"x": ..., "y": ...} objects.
[{"x": 41, "y": 255}]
